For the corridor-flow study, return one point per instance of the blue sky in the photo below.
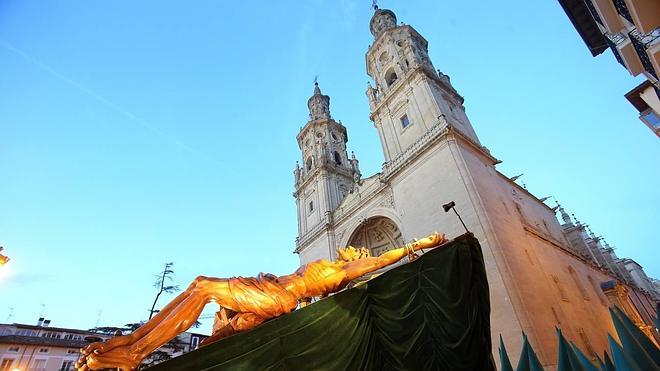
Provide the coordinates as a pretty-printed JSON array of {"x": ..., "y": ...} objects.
[{"x": 137, "y": 133}]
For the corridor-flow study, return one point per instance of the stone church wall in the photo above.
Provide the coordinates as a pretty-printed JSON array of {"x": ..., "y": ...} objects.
[{"x": 552, "y": 285}]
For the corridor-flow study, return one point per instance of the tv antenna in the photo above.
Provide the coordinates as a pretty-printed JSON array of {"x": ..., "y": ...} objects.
[{"x": 98, "y": 317}]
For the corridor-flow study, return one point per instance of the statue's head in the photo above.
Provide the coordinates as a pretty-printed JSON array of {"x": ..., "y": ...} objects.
[{"x": 351, "y": 253}]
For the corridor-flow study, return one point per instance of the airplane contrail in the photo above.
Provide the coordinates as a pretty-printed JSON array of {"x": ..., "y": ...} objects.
[{"x": 108, "y": 103}]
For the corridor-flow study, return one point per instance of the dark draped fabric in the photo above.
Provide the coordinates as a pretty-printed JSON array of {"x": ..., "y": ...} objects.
[{"x": 430, "y": 314}]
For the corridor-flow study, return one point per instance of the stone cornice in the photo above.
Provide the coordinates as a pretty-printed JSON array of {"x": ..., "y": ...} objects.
[
  {"x": 322, "y": 170},
  {"x": 519, "y": 188},
  {"x": 307, "y": 179},
  {"x": 328, "y": 222},
  {"x": 440, "y": 130},
  {"x": 568, "y": 251},
  {"x": 319, "y": 122},
  {"x": 366, "y": 196},
  {"x": 412, "y": 74},
  {"x": 322, "y": 226},
  {"x": 380, "y": 39}
]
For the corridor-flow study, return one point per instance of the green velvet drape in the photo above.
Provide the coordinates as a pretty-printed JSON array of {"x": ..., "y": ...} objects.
[{"x": 431, "y": 314}]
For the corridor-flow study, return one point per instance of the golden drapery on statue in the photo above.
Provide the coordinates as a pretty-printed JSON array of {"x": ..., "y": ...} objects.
[{"x": 245, "y": 302}]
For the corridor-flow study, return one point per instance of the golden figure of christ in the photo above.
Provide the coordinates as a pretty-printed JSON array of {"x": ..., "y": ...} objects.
[{"x": 245, "y": 302}]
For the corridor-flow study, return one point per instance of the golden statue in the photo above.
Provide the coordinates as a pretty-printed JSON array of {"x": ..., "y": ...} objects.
[{"x": 245, "y": 303}]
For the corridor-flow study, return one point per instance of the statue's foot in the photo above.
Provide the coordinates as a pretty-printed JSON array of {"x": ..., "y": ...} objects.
[
  {"x": 106, "y": 346},
  {"x": 119, "y": 357}
]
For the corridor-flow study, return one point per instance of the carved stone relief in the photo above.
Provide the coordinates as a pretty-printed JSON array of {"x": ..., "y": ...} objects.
[{"x": 378, "y": 234}]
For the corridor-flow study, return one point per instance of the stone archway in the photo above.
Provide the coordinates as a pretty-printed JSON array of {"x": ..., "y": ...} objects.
[{"x": 378, "y": 234}]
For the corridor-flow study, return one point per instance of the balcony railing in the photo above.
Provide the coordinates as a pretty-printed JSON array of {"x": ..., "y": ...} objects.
[
  {"x": 648, "y": 39},
  {"x": 640, "y": 48},
  {"x": 594, "y": 13},
  {"x": 622, "y": 9},
  {"x": 616, "y": 38},
  {"x": 615, "y": 51}
]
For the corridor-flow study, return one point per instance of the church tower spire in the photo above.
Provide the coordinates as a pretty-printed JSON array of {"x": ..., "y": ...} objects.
[
  {"x": 564, "y": 215},
  {"x": 410, "y": 97},
  {"x": 327, "y": 173},
  {"x": 318, "y": 104}
]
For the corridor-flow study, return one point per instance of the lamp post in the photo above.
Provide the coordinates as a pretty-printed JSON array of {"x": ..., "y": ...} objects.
[
  {"x": 3, "y": 258},
  {"x": 451, "y": 206}
]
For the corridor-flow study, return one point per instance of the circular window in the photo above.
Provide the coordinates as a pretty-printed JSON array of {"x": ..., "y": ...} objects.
[{"x": 383, "y": 57}]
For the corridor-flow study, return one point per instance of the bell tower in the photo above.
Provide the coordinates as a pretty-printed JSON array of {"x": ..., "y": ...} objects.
[
  {"x": 410, "y": 96},
  {"x": 327, "y": 173}
]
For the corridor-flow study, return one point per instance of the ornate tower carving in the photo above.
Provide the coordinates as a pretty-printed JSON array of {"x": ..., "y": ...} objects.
[
  {"x": 327, "y": 173},
  {"x": 410, "y": 96}
]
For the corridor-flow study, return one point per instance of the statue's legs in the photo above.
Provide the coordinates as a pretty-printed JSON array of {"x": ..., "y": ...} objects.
[
  {"x": 128, "y": 351},
  {"x": 137, "y": 334}
]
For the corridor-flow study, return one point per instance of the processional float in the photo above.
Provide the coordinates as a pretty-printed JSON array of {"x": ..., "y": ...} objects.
[{"x": 245, "y": 302}]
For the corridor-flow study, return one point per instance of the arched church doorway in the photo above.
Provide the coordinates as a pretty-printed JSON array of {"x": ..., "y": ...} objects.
[{"x": 378, "y": 234}]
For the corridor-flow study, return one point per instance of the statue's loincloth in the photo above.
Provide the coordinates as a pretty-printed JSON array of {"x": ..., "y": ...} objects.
[{"x": 262, "y": 296}]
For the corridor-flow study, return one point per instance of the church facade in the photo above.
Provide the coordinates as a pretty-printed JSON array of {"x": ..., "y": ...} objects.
[{"x": 539, "y": 277}]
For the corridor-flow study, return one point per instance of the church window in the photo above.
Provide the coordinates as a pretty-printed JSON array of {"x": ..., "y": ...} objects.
[
  {"x": 383, "y": 57},
  {"x": 390, "y": 77},
  {"x": 309, "y": 163},
  {"x": 405, "y": 122},
  {"x": 311, "y": 206},
  {"x": 583, "y": 292},
  {"x": 560, "y": 288},
  {"x": 337, "y": 158},
  {"x": 520, "y": 212}
]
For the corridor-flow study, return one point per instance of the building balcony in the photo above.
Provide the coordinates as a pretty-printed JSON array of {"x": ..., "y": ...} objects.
[
  {"x": 625, "y": 52},
  {"x": 587, "y": 22},
  {"x": 611, "y": 21},
  {"x": 650, "y": 44},
  {"x": 645, "y": 98},
  {"x": 642, "y": 43},
  {"x": 622, "y": 9},
  {"x": 645, "y": 14}
]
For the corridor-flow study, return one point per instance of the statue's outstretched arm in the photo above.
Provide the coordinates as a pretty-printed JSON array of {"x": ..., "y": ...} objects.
[{"x": 363, "y": 266}]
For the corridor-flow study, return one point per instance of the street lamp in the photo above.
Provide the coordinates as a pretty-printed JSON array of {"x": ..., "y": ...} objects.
[
  {"x": 450, "y": 206},
  {"x": 3, "y": 258}
]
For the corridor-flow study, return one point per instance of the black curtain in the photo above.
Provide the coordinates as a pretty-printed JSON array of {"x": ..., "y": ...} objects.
[{"x": 431, "y": 314}]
